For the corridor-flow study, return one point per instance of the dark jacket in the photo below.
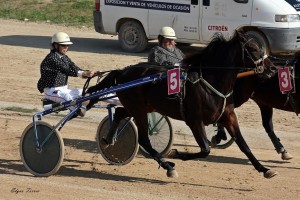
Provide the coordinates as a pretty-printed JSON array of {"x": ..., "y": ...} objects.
[
  {"x": 163, "y": 56},
  {"x": 55, "y": 71}
]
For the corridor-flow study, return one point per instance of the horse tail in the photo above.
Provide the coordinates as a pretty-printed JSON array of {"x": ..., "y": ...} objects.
[{"x": 107, "y": 82}]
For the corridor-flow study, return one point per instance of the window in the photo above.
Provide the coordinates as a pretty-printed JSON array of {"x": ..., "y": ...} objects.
[
  {"x": 241, "y": 1},
  {"x": 194, "y": 2}
]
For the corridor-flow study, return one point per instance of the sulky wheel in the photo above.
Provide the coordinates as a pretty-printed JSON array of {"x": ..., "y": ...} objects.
[
  {"x": 211, "y": 131},
  {"x": 125, "y": 145},
  {"x": 47, "y": 160},
  {"x": 160, "y": 134}
]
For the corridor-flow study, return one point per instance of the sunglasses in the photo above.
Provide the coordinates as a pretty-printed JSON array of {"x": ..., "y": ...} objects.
[
  {"x": 64, "y": 45},
  {"x": 168, "y": 40}
]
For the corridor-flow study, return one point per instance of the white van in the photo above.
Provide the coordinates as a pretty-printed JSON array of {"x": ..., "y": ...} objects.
[{"x": 275, "y": 24}]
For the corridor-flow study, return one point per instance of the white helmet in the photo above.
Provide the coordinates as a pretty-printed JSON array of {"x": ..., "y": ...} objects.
[
  {"x": 61, "y": 38},
  {"x": 167, "y": 32}
]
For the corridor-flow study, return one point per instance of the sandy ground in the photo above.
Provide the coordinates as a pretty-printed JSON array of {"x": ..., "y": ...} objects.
[{"x": 84, "y": 174}]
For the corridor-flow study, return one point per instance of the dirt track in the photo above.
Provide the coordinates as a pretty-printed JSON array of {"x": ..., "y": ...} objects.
[{"x": 225, "y": 174}]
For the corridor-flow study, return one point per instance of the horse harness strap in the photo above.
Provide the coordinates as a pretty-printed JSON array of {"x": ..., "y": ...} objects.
[
  {"x": 182, "y": 95},
  {"x": 261, "y": 59},
  {"x": 209, "y": 86},
  {"x": 217, "y": 93}
]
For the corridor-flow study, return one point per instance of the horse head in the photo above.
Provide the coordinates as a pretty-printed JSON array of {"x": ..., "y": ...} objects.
[
  {"x": 223, "y": 59},
  {"x": 241, "y": 51},
  {"x": 253, "y": 56}
]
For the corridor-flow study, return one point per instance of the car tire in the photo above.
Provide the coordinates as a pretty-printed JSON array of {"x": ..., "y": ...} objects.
[
  {"x": 132, "y": 37},
  {"x": 260, "y": 39}
]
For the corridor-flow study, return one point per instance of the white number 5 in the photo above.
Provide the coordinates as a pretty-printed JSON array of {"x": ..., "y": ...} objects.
[{"x": 173, "y": 81}]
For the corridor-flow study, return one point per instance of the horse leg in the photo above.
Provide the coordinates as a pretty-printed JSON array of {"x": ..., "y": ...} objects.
[
  {"x": 120, "y": 113},
  {"x": 142, "y": 125},
  {"x": 221, "y": 135},
  {"x": 234, "y": 130},
  {"x": 200, "y": 137},
  {"x": 267, "y": 122}
]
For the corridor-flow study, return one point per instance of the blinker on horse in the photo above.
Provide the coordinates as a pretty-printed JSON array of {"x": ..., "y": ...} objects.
[{"x": 211, "y": 75}]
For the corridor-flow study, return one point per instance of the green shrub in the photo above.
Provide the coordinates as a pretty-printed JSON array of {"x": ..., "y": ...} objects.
[{"x": 65, "y": 12}]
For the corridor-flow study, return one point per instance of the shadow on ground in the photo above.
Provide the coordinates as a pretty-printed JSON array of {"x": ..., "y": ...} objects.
[{"x": 88, "y": 45}]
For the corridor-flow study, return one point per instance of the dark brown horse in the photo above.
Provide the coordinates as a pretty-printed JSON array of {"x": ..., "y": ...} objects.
[
  {"x": 267, "y": 95},
  {"x": 207, "y": 98}
]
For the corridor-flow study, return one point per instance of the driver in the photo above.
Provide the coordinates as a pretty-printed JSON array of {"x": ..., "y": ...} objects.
[
  {"x": 55, "y": 70},
  {"x": 165, "y": 53}
]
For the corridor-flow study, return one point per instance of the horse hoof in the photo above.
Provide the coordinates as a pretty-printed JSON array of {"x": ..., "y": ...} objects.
[
  {"x": 103, "y": 143},
  {"x": 172, "y": 173},
  {"x": 270, "y": 174},
  {"x": 173, "y": 153},
  {"x": 213, "y": 141},
  {"x": 286, "y": 156}
]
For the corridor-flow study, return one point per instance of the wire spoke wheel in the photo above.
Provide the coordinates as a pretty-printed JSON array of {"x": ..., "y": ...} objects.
[
  {"x": 211, "y": 131},
  {"x": 47, "y": 160},
  {"x": 125, "y": 145},
  {"x": 160, "y": 132}
]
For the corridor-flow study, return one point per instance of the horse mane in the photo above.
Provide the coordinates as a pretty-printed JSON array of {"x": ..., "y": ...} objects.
[
  {"x": 146, "y": 68},
  {"x": 145, "y": 65},
  {"x": 218, "y": 46}
]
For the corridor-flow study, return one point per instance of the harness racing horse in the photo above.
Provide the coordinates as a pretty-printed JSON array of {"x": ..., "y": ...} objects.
[
  {"x": 211, "y": 75},
  {"x": 267, "y": 96}
]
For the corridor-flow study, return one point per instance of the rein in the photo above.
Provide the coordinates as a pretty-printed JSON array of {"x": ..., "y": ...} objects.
[
  {"x": 87, "y": 82},
  {"x": 257, "y": 70},
  {"x": 215, "y": 67}
]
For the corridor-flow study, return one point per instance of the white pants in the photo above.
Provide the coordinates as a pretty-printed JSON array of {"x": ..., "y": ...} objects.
[
  {"x": 114, "y": 100},
  {"x": 62, "y": 93}
]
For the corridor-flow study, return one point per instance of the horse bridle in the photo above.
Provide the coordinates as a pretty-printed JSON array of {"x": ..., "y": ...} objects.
[
  {"x": 259, "y": 69},
  {"x": 259, "y": 63}
]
